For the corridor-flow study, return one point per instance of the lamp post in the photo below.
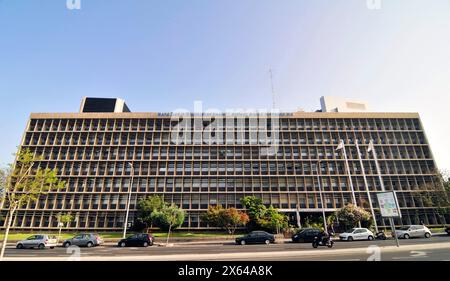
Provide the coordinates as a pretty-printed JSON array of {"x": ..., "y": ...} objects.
[
  {"x": 383, "y": 189},
  {"x": 129, "y": 200},
  {"x": 318, "y": 168}
]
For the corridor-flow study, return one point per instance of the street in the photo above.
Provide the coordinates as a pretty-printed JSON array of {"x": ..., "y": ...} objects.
[{"x": 433, "y": 249}]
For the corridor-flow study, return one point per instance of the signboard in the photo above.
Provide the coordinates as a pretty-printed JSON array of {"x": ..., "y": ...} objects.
[{"x": 388, "y": 205}]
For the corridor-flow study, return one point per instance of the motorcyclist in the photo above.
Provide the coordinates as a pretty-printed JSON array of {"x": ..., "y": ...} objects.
[
  {"x": 323, "y": 236},
  {"x": 323, "y": 239}
]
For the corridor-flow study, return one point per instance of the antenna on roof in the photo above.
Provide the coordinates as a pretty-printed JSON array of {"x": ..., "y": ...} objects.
[{"x": 271, "y": 85}]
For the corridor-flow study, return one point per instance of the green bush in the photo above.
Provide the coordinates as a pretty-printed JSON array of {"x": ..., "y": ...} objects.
[{"x": 350, "y": 215}]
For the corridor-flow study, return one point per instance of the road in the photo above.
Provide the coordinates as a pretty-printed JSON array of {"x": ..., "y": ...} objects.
[{"x": 435, "y": 248}]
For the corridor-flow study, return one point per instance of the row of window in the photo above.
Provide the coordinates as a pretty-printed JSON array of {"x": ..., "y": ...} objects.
[
  {"x": 110, "y": 220},
  {"x": 294, "y": 138},
  {"x": 183, "y": 168},
  {"x": 167, "y": 124},
  {"x": 247, "y": 184},
  {"x": 202, "y": 201},
  {"x": 224, "y": 153}
]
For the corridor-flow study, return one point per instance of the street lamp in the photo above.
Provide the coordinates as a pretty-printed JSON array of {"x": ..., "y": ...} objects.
[
  {"x": 129, "y": 200},
  {"x": 318, "y": 174}
]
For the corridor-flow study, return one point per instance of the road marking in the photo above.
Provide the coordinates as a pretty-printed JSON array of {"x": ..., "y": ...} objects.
[
  {"x": 403, "y": 258},
  {"x": 418, "y": 254},
  {"x": 346, "y": 260}
]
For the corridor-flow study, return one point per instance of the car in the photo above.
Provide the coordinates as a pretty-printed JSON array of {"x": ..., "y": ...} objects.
[
  {"x": 447, "y": 229},
  {"x": 305, "y": 235},
  {"x": 84, "y": 240},
  {"x": 40, "y": 241},
  {"x": 256, "y": 237},
  {"x": 142, "y": 239},
  {"x": 409, "y": 231},
  {"x": 357, "y": 234}
]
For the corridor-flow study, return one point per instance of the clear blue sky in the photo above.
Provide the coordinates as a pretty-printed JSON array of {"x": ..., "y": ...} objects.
[{"x": 163, "y": 55}]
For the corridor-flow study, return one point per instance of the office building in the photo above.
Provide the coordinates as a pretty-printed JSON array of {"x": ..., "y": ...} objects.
[{"x": 97, "y": 149}]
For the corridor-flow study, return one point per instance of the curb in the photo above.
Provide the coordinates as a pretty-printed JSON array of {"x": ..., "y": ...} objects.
[{"x": 178, "y": 243}]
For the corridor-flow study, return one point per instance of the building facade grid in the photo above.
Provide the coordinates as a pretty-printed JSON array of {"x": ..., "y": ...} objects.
[{"x": 91, "y": 152}]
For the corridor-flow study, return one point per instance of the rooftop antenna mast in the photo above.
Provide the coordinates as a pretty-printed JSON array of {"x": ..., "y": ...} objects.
[{"x": 271, "y": 85}]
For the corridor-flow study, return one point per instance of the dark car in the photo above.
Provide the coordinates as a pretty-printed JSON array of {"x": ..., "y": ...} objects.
[
  {"x": 447, "y": 229},
  {"x": 143, "y": 240},
  {"x": 305, "y": 235},
  {"x": 256, "y": 237}
]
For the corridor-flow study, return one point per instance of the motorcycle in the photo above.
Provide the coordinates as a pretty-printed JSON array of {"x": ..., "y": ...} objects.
[
  {"x": 380, "y": 235},
  {"x": 324, "y": 241}
]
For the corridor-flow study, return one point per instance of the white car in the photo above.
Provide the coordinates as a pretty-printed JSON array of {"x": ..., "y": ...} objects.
[
  {"x": 357, "y": 234},
  {"x": 410, "y": 231},
  {"x": 40, "y": 241}
]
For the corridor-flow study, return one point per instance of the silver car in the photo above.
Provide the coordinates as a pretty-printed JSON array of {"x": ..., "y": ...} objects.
[
  {"x": 40, "y": 241},
  {"x": 410, "y": 231},
  {"x": 84, "y": 240}
]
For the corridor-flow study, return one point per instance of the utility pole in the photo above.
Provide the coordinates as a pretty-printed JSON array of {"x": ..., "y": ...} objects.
[
  {"x": 319, "y": 181},
  {"x": 129, "y": 200},
  {"x": 383, "y": 189}
]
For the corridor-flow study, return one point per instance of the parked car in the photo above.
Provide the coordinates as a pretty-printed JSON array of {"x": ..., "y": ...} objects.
[
  {"x": 357, "y": 234},
  {"x": 84, "y": 240},
  {"x": 409, "y": 231},
  {"x": 143, "y": 240},
  {"x": 256, "y": 237},
  {"x": 40, "y": 241},
  {"x": 305, "y": 235},
  {"x": 447, "y": 229}
]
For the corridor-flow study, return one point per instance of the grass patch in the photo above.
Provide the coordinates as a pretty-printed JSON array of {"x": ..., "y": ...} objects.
[
  {"x": 189, "y": 234},
  {"x": 437, "y": 229},
  {"x": 15, "y": 236}
]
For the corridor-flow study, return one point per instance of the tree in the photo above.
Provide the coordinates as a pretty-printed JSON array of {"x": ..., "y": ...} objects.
[
  {"x": 255, "y": 210},
  {"x": 436, "y": 194},
  {"x": 63, "y": 220},
  {"x": 350, "y": 215},
  {"x": 168, "y": 218},
  {"x": 146, "y": 207},
  {"x": 330, "y": 222},
  {"x": 273, "y": 220},
  {"x": 262, "y": 217},
  {"x": 228, "y": 219},
  {"x": 3, "y": 180},
  {"x": 24, "y": 183},
  {"x": 442, "y": 198}
]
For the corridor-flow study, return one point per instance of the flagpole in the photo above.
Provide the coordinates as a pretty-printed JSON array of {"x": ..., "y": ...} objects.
[
  {"x": 367, "y": 186},
  {"x": 344, "y": 151},
  {"x": 348, "y": 172},
  {"x": 375, "y": 157}
]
